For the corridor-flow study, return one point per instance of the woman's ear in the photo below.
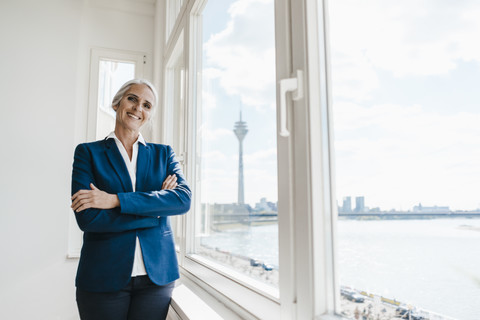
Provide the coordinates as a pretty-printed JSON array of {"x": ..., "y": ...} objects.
[{"x": 115, "y": 108}]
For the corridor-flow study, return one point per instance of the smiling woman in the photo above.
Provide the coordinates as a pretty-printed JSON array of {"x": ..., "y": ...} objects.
[
  {"x": 134, "y": 100},
  {"x": 124, "y": 191}
]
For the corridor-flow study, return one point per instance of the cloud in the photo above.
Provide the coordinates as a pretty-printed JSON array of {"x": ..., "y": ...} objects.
[
  {"x": 243, "y": 54},
  {"x": 267, "y": 155},
  {"x": 209, "y": 135},
  {"x": 209, "y": 100},
  {"x": 218, "y": 185},
  {"x": 409, "y": 38},
  {"x": 213, "y": 156},
  {"x": 398, "y": 156}
]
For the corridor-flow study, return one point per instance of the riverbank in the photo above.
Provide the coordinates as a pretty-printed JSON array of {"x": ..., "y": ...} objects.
[
  {"x": 375, "y": 307},
  {"x": 256, "y": 269},
  {"x": 400, "y": 215}
]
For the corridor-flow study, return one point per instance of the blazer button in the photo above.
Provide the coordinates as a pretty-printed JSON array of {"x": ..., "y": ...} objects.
[{"x": 158, "y": 217}]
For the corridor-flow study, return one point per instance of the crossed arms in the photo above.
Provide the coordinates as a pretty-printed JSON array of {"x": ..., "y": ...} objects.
[{"x": 99, "y": 211}]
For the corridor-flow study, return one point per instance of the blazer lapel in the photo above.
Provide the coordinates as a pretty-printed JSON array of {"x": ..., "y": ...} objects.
[
  {"x": 118, "y": 164},
  {"x": 143, "y": 162}
]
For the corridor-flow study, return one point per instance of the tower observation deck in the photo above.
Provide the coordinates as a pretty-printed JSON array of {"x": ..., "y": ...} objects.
[{"x": 240, "y": 130}]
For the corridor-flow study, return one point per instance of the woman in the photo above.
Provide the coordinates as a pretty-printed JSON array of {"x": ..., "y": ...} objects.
[{"x": 123, "y": 192}]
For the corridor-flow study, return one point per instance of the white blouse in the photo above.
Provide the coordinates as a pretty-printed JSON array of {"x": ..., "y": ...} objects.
[{"x": 138, "y": 265}]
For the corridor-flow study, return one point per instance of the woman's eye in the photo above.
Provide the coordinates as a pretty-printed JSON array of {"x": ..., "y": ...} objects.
[
  {"x": 147, "y": 106},
  {"x": 131, "y": 98}
]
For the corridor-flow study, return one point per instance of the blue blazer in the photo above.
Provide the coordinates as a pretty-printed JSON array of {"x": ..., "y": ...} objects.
[{"x": 109, "y": 237}]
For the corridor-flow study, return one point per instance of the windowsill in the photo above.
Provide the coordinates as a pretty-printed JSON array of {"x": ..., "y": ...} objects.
[
  {"x": 190, "y": 302},
  {"x": 73, "y": 255},
  {"x": 266, "y": 290},
  {"x": 189, "y": 306},
  {"x": 228, "y": 297}
]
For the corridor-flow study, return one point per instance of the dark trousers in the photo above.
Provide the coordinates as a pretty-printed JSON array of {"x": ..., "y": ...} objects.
[{"x": 141, "y": 299}]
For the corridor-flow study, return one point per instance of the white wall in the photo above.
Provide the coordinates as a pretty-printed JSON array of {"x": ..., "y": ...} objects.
[
  {"x": 44, "y": 64},
  {"x": 108, "y": 24}
]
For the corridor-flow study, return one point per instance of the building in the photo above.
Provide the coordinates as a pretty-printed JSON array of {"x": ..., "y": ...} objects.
[
  {"x": 347, "y": 205},
  {"x": 265, "y": 206},
  {"x": 434, "y": 209},
  {"x": 359, "y": 204}
]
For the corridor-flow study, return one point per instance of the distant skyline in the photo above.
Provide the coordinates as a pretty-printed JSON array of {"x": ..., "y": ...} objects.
[{"x": 348, "y": 205}]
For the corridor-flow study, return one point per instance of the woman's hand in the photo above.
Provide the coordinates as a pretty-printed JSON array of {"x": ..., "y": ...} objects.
[
  {"x": 170, "y": 182},
  {"x": 94, "y": 198}
]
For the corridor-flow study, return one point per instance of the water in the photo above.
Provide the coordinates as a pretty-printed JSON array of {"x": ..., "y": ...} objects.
[
  {"x": 259, "y": 242},
  {"x": 432, "y": 264}
]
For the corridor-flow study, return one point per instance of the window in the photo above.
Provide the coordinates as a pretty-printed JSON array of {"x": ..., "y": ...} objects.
[
  {"x": 109, "y": 70},
  {"x": 405, "y": 90},
  {"x": 112, "y": 74},
  {"x": 249, "y": 91},
  {"x": 237, "y": 224}
]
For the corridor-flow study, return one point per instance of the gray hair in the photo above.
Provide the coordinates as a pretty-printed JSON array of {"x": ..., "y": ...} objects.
[{"x": 119, "y": 95}]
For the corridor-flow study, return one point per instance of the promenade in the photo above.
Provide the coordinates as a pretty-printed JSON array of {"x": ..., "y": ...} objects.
[
  {"x": 379, "y": 308},
  {"x": 370, "y": 309}
]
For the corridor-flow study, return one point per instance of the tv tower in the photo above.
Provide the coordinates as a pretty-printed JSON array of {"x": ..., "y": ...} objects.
[{"x": 240, "y": 131}]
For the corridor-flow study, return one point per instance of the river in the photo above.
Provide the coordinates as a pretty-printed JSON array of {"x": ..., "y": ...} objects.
[{"x": 432, "y": 264}]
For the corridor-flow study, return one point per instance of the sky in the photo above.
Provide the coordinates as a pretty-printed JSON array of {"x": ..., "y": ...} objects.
[
  {"x": 406, "y": 101},
  {"x": 238, "y": 74}
]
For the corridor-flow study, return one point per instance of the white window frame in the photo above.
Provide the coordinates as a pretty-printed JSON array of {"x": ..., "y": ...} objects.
[
  {"x": 307, "y": 214},
  {"x": 173, "y": 86},
  {"x": 174, "y": 9},
  {"x": 97, "y": 54}
]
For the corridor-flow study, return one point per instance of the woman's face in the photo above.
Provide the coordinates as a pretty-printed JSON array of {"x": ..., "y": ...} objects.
[{"x": 135, "y": 108}]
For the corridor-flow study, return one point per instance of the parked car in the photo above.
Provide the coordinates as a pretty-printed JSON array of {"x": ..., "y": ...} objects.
[
  {"x": 346, "y": 291},
  {"x": 412, "y": 315},
  {"x": 355, "y": 297},
  {"x": 401, "y": 310},
  {"x": 351, "y": 294}
]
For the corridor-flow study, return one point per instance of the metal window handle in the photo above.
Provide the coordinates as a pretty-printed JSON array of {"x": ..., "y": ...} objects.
[{"x": 294, "y": 85}]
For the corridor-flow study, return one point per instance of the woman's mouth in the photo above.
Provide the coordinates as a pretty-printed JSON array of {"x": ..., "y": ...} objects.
[{"x": 133, "y": 116}]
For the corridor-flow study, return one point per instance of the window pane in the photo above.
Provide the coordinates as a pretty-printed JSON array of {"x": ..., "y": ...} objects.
[
  {"x": 236, "y": 212},
  {"x": 406, "y": 109},
  {"x": 112, "y": 74},
  {"x": 173, "y": 10}
]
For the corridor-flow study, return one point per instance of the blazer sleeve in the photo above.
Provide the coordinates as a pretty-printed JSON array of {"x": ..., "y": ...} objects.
[
  {"x": 101, "y": 220},
  {"x": 159, "y": 203}
]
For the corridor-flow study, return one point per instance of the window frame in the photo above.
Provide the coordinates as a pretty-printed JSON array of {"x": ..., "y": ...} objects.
[
  {"x": 98, "y": 54},
  {"x": 174, "y": 9},
  {"x": 176, "y": 86},
  {"x": 308, "y": 286}
]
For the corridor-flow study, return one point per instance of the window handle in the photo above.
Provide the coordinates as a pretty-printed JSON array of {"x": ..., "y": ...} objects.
[{"x": 294, "y": 85}]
